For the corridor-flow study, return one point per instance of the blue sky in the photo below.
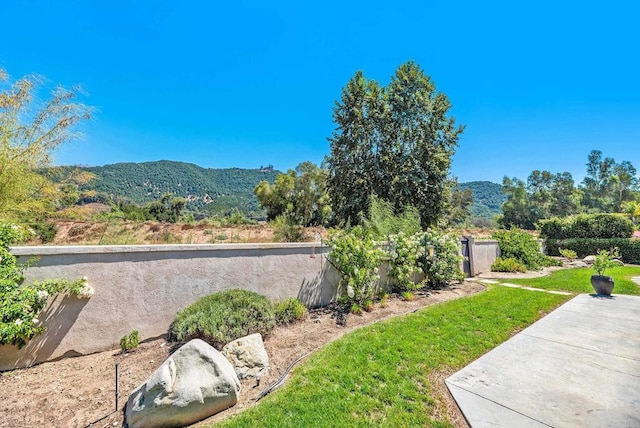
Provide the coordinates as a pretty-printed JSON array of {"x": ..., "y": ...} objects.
[{"x": 243, "y": 84}]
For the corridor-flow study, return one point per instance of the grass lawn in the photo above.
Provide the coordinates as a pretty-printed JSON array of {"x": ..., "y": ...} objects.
[
  {"x": 577, "y": 280},
  {"x": 381, "y": 375}
]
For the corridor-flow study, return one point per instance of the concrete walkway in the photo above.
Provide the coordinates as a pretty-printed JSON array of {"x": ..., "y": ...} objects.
[
  {"x": 577, "y": 367},
  {"x": 524, "y": 287}
]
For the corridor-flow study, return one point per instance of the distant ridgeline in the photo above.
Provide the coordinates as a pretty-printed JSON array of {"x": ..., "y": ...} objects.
[
  {"x": 487, "y": 198},
  {"x": 207, "y": 191},
  {"x": 216, "y": 191}
]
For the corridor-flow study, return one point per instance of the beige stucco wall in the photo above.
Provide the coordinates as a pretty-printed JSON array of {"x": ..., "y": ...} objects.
[
  {"x": 483, "y": 254},
  {"x": 143, "y": 287}
]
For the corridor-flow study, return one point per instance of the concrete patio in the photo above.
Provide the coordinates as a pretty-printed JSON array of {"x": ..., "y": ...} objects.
[{"x": 577, "y": 367}]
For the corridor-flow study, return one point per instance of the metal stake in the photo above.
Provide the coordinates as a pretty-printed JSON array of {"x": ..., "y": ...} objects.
[{"x": 116, "y": 387}]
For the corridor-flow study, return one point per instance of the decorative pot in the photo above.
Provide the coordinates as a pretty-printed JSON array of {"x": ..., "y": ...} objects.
[{"x": 603, "y": 285}]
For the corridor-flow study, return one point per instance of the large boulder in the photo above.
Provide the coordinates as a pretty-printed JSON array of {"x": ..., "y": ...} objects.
[
  {"x": 194, "y": 383},
  {"x": 248, "y": 356},
  {"x": 589, "y": 259}
]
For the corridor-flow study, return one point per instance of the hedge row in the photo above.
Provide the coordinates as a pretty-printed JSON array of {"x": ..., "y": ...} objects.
[
  {"x": 600, "y": 226},
  {"x": 629, "y": 248}
]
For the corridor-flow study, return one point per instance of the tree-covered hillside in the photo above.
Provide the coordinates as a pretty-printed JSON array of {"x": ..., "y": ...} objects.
[
  {"x": 206, "y": 190},
  {"x": 487, "y": 198}
]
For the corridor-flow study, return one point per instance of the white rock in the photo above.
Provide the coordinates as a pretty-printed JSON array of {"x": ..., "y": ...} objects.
[
  {"x": 248, "y": 356},
  {"x": 577, "y": 263},
  {"x": 194, "y": 383},
  {"x": 589, "y": 259}
]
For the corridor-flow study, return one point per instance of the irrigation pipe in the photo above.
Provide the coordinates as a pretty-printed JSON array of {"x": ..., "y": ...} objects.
[{"x": 278, "y": 383}]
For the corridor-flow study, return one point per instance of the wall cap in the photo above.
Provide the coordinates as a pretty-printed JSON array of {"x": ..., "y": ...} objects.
[{"x": 43, "y": 250}]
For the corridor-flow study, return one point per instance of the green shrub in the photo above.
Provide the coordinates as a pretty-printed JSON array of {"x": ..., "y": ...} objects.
[
  {"x": 223, "y": 317},
  {"x": 629, "y": 248},
  {"x": 568, "y": 254},
  {"x": 356, "y": 309},
  {"x": 45, "y": 231},
  {"x": 237, "y": 219},
  {"x": 519, "y": 245},
  {"x": 130, "y": 341},
  {"x": 286, "y": 230},
  {"x": 600, "y": 226},
  {"x": 403, "y": 261},
  {"x": 407, "y": 296},
  {"x": 289, "y": 311},
  {"x": 439, "y": 258},
  {"x": 507, "y": 265},
  {"x": 605, "y": 260},
  {"x": 356, "y": 256},
  {"x": 21, "y": 303},
  {"x": 382, "y": 221}
]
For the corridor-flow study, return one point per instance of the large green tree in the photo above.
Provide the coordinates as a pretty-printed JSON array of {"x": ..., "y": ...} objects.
[
  {"x": 394, "y": 142},
  {"x": 31, "y": 128},
  {"x": 544, "y": 195},
  {"x": 299, "y": 195},
  {"x": 519, "y": 211},
  {"x": 608, "y": 185},
  {"x": 354, "y": 165}
]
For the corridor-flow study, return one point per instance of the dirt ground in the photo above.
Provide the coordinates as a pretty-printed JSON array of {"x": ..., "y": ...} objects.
[
  {"x": 80, "y": 391},
  {"x": 152, "y": 232}
]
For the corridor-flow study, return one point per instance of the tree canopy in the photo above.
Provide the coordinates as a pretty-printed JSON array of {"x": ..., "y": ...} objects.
[
  {"x": 607, "y": 187},
  {"x": 299, "y": 195},
  {"x": 30, "y": 131},
  {"x": 394, "y": 142}
]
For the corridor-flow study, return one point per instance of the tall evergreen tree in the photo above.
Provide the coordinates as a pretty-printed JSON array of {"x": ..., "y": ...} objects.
[
  {"x": 353, "y": 163},
  {"x": 394, "y": 142}
]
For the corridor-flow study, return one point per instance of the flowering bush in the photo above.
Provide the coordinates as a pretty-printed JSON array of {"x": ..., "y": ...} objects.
[
  {"x": 356, "y": 256},
  {"x": 439, "y": 258},
  {"x": 403, "y": 261},
  {"x": 21, "y": 303},
  {"x": 431, "y": 253}
]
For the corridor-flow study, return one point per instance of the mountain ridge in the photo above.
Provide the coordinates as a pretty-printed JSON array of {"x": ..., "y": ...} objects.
[{"x": 218, "y": 190}]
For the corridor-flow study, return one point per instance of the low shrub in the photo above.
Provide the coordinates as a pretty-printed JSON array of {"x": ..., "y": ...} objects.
[
  {"x": 129, "y": 341},
  {"x": 519, "y": 245},
  {"x": 508, "y": 264},
  {"x": 289, "y": 311},
  {"x": 223, "y": 317},
  {"x": 605, "y": 260},
  {"x": 407, "y": 296},
  {"x": 629, "y": 248},
  {"x": 45, "y": 231},
  {"x": 286, "y": 230},
  {"x": 356, "y": 309},
  {"x": 384, "y": 302},
  {"x": 568, "y": 254}
]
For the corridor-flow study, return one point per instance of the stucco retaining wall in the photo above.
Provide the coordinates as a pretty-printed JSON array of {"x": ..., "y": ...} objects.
[{"x": 143, "y": 287}]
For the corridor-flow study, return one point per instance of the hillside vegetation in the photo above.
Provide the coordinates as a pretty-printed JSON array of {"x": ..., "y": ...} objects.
[
  {"x": 207, "y": 191},
  {"x": 487, "y": 198},
  {"x": 216, "y": 191}
]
